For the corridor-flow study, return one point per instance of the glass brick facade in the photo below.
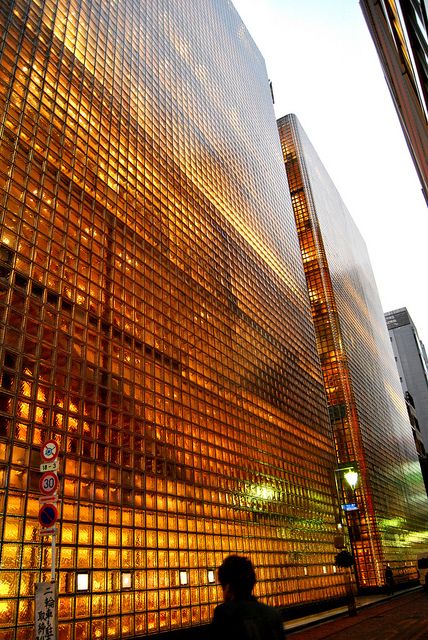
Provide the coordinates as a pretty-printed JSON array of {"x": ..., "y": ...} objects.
[
  {"x": 155, "y": 321},
  {"x": 366, "y": 404}
]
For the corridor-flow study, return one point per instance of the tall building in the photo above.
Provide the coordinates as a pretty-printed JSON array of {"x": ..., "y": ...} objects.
[
  {"x": 416, "y": 430},
  {"x": 412, "y": 364},
  {"x": 155, "y": 322},
  {"x": 399, "y": 29},
  {"x": 386, "y": 516}
]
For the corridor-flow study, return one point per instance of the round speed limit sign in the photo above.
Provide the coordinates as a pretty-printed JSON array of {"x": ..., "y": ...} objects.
[{"x": 48, "y": 483}]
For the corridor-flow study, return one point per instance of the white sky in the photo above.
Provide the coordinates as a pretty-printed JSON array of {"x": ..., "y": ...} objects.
[{"x": 321, "y": 59}]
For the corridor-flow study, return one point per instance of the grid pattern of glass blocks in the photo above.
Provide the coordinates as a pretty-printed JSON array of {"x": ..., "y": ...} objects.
[
  {"x": 154, "y": 321},
  {"x": 366, "y": 405}
]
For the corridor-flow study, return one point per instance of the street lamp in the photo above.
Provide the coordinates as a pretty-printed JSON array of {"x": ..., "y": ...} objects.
[
  {"x": 351, "y": 477},
  {"x": 346, "y": 478}
]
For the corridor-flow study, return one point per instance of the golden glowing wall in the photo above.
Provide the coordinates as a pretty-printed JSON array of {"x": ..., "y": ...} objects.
[
  {"x": 154, "y": 320},
  {"x": 366, "y": 406}
]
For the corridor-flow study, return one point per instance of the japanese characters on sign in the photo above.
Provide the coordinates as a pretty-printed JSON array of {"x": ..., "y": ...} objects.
[{"x": 45, "y": 611}]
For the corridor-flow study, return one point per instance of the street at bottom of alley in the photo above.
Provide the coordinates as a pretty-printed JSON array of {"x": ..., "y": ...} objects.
[{"x": 402, "y": 617}]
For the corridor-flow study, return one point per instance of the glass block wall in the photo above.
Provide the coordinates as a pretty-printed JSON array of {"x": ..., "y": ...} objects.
[
  {"x": 366, "y": 405},
  {"x": 154, "y": 321}
]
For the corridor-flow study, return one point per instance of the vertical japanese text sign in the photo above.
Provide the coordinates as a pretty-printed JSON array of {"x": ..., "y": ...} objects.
[{"x": 45, "y": 611}]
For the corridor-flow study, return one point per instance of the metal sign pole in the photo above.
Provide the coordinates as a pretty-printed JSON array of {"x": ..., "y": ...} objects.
[
  {"x": 46, "y": 597},
  {"x": 53, "y": 547}
]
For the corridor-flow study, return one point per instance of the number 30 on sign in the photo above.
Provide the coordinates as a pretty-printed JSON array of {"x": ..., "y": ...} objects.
[{"x": 48, "y": 483}]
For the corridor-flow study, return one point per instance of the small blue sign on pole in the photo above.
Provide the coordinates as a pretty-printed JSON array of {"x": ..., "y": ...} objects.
[{"x": 350, "y": 506}]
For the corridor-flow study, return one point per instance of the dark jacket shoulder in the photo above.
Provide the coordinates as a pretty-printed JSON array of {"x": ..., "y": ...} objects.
[{"x": 246, "y": 620}]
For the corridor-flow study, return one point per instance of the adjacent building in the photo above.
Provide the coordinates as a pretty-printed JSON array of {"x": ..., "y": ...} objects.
[
  {"x": 386, "y": 515},
  {"x": 154, "y": 320},
  {"x": 399, "y": 29},
  {"x": 412, "y": 364}
]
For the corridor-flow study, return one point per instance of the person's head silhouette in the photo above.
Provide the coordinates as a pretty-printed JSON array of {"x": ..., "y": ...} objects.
[{"x": 237, "y": 578}]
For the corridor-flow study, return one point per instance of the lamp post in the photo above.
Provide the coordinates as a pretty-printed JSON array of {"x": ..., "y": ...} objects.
[{"x": 346, "y": 478}]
